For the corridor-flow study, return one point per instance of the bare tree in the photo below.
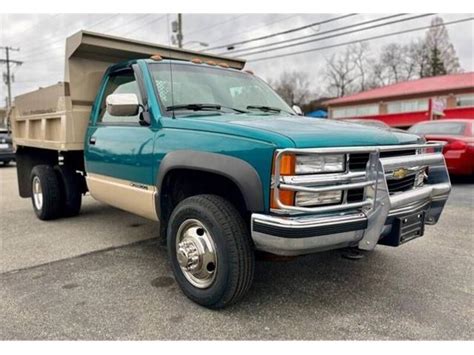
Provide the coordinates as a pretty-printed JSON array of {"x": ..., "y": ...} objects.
[
  {"x": 293, "y": 87},
  {"x": 398, "y": 63},
  {"x": 355, "y": 70},
  {"x": 378, "y": 75},
  {"x": 393, "y": 58},
  {"x": 415, "y": 59},
  {"x": 341, "y": 73},
  {"x": 361, "y": 56}
]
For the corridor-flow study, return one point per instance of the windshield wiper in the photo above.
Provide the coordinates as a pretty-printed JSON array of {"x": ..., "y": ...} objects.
[
  {"x": 269, "y": 109},
  {"x": 202, "y": 107},
  {"x": 264, "y": 108}
]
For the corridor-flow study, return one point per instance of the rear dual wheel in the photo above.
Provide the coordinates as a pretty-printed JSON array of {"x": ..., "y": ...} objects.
[
  {"x": 210, "y": 250},
  {"x": 46, "y": 192},
  {"x": 55, "y": 192}
]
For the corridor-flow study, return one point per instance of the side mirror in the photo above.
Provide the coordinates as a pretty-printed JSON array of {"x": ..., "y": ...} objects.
[
  {"x": 298, "y": 110},
  {"x": 122, "y": 104}
]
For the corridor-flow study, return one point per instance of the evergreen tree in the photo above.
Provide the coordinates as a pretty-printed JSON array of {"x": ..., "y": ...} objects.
[{"x": 439, "y": 55}]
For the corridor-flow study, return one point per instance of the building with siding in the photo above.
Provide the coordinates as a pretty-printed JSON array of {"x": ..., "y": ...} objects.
[{"x": 406, "y": 103}]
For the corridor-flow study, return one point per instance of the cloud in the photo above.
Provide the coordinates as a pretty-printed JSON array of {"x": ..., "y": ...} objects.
[{"x": 41, "y": 38}]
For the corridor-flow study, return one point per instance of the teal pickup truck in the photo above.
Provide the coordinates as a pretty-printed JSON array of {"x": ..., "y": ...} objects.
[{"x": 214, "y": 155}]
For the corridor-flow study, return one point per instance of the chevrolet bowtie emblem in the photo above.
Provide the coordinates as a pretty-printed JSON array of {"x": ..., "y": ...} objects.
[{"x": 400, "y": 173}]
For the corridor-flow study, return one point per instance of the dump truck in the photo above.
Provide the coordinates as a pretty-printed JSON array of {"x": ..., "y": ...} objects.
[{"x": 218, "y": 160}]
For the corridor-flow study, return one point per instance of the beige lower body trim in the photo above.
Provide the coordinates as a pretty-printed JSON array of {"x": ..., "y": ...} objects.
[{"x": 138, "y": 199}]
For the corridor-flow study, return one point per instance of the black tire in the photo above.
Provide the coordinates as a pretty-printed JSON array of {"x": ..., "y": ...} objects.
[
  {"x": 235, "y": 254},
  {"x": 6, "y": 162},
  {"x": 52, "y": 200},
  {"x": 71, "y": 190}
]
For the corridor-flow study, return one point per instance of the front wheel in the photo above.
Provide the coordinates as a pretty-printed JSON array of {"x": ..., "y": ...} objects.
[{"x": 210, "y": 250}]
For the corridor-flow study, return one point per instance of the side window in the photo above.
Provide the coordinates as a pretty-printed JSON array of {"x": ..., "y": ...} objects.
[{"x": 122, "y": 82}]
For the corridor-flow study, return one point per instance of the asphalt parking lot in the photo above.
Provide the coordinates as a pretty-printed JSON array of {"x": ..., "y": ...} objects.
[{"x": 102, "y": 275}]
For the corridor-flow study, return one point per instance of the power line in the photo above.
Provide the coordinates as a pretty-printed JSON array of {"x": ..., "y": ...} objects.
[
  {"x": 61, "y": 37},
  {"x": 113, "y": 28},
  {"x": 335, "y": 35},
  {"x": 285, "y": 32},
  {"x": 361, "y": 40},
  {"x": 148, "y": 23},
  {"x": 60, "y": 40},
  {"x": 319, "y": 33},
  {"x": 255, "y": 28},
  {"x": 105, "y": 19},
  {"x": 217, "y": 24}
]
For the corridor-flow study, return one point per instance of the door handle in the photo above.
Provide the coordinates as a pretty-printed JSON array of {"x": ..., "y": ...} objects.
[{"x": 92, "y": 140}]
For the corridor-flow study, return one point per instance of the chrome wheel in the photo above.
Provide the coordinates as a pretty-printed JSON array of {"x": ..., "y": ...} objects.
[
  {"x": 196, "y": 253},
  {"x": 37, "y": 193}
]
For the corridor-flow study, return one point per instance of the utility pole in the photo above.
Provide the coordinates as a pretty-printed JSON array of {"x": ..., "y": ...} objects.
[
  {"x": 180, "y": 31},
  {"x": 8, "y": 75},
  {"x": 177, "y": 27}
]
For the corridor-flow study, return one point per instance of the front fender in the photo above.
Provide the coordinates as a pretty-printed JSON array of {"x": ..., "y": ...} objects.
[{"x": 237, "y": 170}]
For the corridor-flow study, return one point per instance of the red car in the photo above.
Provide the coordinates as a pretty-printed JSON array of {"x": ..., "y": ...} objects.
[{"x": 459, "y": 135}]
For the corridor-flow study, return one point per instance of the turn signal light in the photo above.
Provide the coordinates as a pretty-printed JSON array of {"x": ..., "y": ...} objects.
[
  {"x": 287, "y": 167},
  {"x": 286, "y": 197},
  {"x": 287, "y": 164}
]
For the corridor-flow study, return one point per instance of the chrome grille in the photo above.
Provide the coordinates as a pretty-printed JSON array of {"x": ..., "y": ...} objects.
[
  {"x": 358, "y": 161},
  {"x": 355, "y": 195},
  {"x": 359, "y": 187},
  {"x": 400, "y": 185}
]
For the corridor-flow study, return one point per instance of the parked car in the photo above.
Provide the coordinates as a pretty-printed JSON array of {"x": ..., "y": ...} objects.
[
  {"x": 7, "y": 153},
  {"x": 211, "y": 152},
  {"x": 459, "y": 137}
]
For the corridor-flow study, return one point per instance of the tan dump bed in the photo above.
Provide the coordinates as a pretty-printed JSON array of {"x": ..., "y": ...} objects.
[{"x": 56, "y": 117}]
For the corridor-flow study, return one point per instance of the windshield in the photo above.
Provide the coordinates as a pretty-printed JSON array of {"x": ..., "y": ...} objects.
[
  {"x": 223, "y": 88},
  {"x": 441, "y": 128}
]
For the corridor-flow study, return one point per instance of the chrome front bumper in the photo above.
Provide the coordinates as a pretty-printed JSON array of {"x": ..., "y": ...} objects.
[{"x": 362, "y": 224}]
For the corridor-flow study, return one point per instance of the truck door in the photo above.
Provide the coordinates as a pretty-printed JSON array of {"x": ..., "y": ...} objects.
[{"x": 119, "y": 151}]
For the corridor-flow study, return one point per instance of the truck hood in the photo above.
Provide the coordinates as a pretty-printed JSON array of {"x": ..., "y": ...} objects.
[{"x": 306, "y": 132}]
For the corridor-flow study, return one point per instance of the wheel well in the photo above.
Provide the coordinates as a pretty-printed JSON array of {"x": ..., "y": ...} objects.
[
  {"x": 179, "y": 184},
  {"x": 27, "y": 158}
]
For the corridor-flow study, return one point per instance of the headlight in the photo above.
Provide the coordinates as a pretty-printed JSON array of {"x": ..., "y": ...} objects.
[
  {"x": 320, "y": 163},
  {"x": 305, "y": 199}
]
